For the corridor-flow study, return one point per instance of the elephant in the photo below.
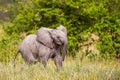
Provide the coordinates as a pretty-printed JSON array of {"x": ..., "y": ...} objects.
[
  {"x": 57, "y": 36},
  {"x": 32, "y": 51},
  {"x": 44, "y": 45}
]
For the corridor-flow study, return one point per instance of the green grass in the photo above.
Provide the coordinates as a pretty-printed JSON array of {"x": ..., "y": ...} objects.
[{"x": 73, "y": 69}]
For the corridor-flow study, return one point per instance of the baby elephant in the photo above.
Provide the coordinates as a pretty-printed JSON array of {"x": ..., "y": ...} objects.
[{"x": 33, "y": 51}]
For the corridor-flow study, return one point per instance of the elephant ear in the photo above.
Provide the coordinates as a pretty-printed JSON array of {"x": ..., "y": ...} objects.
[{"x": 44, "y": 37}]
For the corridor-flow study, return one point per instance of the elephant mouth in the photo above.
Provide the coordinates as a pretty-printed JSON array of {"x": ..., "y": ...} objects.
[{"x": 59, "y": 43}]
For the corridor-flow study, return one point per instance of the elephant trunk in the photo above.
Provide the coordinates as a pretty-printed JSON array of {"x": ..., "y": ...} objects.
[{"x": 64, "y": 51}]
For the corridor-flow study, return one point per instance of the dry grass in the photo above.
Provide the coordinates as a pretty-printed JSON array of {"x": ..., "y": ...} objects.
[{"x": 71, "y": 70}]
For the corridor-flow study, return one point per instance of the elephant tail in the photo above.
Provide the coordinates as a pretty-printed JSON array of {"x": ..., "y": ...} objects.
[{"x": 16, "y": 56}]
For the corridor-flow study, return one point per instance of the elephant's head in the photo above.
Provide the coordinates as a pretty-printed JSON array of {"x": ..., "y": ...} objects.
[
  {"x": 60, "y": 39},
  {"x": 64, "y": 30}
]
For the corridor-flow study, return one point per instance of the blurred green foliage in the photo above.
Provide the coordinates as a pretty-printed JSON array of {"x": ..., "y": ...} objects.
[{"x": 78, "y": 16}]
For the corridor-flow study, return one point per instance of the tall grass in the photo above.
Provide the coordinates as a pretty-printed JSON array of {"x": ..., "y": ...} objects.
[{"x": 73, "y": 69}]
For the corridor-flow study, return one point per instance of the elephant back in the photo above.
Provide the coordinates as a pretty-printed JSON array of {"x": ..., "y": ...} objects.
[{"x": 44, "y": 37}]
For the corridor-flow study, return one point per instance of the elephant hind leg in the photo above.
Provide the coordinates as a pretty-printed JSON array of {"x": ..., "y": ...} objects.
[
  {"x": 29, "y": 58},
  {"x": 32, "y": 60},
  {"x": 58, "y": 62}
]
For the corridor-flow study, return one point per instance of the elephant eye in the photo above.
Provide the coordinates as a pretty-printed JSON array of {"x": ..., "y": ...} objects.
[{"x": 58, "y": 37}]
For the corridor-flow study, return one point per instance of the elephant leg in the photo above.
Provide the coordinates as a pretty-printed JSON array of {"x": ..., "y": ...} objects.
[
  {"x": 28, "y": 57},
  {"x": 44, "y": 62},
  {"x": 58, "y": 62},
  {"x": 44, "y": 59}
]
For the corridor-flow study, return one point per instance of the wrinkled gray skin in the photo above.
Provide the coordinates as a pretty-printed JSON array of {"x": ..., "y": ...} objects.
[
  {"x": 33, "y": 51},
  {"x": 57, "y": 36}
]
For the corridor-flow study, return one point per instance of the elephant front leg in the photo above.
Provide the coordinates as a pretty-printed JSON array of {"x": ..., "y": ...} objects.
[
  {"x": 44, "y": 60},
  {"x": 58, "y": 62}
]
